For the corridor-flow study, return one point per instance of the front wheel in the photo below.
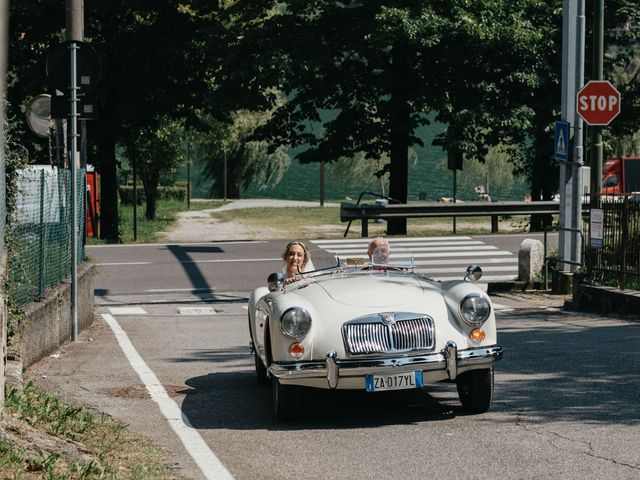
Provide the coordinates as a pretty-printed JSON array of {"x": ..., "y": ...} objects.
[
  {"x": 287, "y": 400},
  {"x": 475, "y": 389},
  {"x": 261, "y": 370}
]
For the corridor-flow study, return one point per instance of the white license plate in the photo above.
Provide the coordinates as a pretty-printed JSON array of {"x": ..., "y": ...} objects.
[{"x": 398, "y": 381}]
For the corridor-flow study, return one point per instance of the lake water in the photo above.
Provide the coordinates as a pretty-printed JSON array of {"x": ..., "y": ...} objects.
[{"x": 429, "y": 179}]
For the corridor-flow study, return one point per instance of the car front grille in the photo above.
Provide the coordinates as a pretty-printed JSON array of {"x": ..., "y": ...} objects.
[{"x": 373, "y": 335}]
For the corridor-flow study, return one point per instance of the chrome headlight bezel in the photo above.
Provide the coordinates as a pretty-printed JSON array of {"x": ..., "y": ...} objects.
[
  {"x": 475, "y": 309},
  {"x": 295, "y": 322}
]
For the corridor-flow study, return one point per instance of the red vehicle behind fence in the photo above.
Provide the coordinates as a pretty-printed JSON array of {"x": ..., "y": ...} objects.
[{"x": 621, "y": 175}]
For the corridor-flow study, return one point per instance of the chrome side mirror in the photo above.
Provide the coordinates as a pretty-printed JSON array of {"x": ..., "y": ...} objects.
[
  {"x": 474, "y": 273},
  {"x": 275, "y": 281}
]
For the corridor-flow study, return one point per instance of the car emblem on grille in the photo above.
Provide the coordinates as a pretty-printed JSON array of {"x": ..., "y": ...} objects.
[{"x": 388, "y": 318}]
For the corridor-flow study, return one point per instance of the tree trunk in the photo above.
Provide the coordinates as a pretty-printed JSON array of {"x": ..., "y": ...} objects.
[
  {"x": 544, "y": 179},
  {"x": 108, "y": 191},
  {"x": 151, "y": 193},
  {"x": 400, "y": 118}
]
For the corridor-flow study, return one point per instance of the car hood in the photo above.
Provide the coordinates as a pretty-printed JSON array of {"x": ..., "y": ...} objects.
[{"x": 376, "y": 290}]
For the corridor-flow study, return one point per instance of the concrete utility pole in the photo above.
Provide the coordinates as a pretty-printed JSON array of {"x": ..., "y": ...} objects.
[
  {"x": 573, "y": 39},
  {"x": 4, "y": 16},
  {"x": 74, "y": 33},
  {"x": 597, "y": 74}
]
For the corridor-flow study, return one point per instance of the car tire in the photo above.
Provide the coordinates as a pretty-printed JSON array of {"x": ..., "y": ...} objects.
[
  {"x": 261, "y": 371},
  {"x": 475, "y": 389},
  {"x": 287, "y": 400}
]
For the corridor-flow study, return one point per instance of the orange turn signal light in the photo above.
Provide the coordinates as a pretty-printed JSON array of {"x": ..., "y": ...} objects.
[
  {"x": 296, "y": 350},
  {"x": 477, "y": 335}
]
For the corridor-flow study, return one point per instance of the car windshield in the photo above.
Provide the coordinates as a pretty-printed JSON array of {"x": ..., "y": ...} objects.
[{"x": 327, "y": 261}]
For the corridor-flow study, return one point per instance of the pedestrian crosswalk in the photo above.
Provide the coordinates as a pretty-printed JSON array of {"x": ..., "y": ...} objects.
[{"x": 443, "y": 258}]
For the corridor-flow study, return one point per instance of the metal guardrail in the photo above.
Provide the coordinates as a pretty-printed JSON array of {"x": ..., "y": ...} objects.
[{"x": 350, "y": 211}]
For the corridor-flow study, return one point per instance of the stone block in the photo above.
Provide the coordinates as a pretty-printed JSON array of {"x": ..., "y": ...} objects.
[{"x": 530, "y": 259}]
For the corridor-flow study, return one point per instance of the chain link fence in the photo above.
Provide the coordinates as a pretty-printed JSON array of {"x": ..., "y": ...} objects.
[{"x": 40, "y": 231}]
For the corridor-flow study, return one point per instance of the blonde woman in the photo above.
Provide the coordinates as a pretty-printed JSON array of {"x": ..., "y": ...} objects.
[{"x": 296, "y": 260}]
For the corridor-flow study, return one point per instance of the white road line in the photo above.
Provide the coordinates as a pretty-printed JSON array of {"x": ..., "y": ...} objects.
[
  {"x": 503, "y": 268},
  {"x": 363, "y": 246},
  {"x": 196, "y": 311},
  {"x": 111, "y": 264},
  {"x": 448, "y": 248},
  {"x": 194, "y": 444},
  {"x": 499, "y": 306},
  {"x": 499, "y": 253},
  {"x": 464, "y": 261},
  {"x": 365, "y": 241},
  {"x": 232, "y": 260},
  {"x": 484, "y": 280},
  {"x": 127, "y": 311},
  {"x": 194, "y": 290},
  {"x": 121, "y": 245},
  {"x": 228, "y": 260}
]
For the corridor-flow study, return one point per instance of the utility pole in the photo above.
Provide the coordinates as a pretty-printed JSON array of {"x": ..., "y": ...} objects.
[
  {"x": 573, "y": 40},
  {"x": 4, "y": 17},
  {"x": 74, "y": 10},
  {"x": 597, "y": 74}
]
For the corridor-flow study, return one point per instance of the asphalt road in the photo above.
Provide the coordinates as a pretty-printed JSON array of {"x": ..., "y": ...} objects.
[
  {"x": 213, "y": 270},
  {"x": 566, "y": 401}
]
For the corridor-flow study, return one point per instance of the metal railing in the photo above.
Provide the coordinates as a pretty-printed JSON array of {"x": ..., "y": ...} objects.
[
  {"x": 350, "y": 212},
  {"x": 614, "y": 260}
]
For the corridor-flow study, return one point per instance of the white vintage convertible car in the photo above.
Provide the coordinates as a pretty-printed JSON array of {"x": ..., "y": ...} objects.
[{"x": 373, "y": 327}]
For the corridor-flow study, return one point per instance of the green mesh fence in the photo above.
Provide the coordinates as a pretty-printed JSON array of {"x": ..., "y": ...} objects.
[{"x": 40, "y": 232}]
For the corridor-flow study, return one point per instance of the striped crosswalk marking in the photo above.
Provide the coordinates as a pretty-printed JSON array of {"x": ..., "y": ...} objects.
[{"x": 443, "y": 258}]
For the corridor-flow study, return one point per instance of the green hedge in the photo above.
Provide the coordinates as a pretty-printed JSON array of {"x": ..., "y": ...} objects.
[{"x": 164, "y": 193}]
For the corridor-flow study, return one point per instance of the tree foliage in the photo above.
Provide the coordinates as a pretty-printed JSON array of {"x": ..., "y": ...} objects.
[
  {"x": 159, "y": 61},
  {"x": 330, "y": 80},
  {"x": 157, "y": 151},
  {"x": 234, "y": 160},
  {"x": 383, "y": 66}
]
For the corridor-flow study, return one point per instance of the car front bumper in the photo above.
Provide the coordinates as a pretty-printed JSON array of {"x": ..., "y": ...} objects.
[{"x": 342, "y": 373}]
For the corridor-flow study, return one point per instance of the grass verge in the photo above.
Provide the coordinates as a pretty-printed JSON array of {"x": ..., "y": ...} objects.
[
  {"x": 40, "y": 437},
  {"x": 149, "y": 231},
  {"x": 324, "y": 222},
  {"x": 295, "y": 222}
]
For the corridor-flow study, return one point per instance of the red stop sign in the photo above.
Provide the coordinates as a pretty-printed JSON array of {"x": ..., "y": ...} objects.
[{"x": 598, "y": 102}]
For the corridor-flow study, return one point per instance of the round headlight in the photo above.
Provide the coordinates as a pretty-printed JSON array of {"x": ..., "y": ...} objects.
[
  {"x": 295, "y": 322},
  {"x": 475, "y": 309}
]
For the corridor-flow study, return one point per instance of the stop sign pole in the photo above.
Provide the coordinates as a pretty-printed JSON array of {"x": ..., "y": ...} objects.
[{"x": 573, "y": 39}]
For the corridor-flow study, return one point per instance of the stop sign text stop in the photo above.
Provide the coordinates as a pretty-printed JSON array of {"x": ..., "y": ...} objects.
[{"x": 598, "y": 102}]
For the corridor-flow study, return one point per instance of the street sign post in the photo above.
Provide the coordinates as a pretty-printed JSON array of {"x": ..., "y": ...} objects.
[
  {"x": 596, "y": 227},
  {"x": 561, "y": 141},
  {"x": 598, "y": 102}
]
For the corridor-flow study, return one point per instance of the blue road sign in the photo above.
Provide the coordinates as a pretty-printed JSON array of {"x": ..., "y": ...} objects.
[{"x": 561, "y": 141}]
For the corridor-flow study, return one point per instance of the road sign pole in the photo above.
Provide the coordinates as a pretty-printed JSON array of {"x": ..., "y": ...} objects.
[
  {"x": 597, "y": 74},
  {"x": 569, "y": 243},
  {"x": 75, "y": 33}
]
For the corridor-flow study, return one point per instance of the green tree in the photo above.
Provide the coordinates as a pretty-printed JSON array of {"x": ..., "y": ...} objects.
[
  {"x": 234, "y": 159},
  {"x": 622, "y": 68},
  {"x": 158, "y": 151},
  {"x": 381, "y": 67},
  {"x": 159, "y": 61},
  {"x": 494, "y": 174}
]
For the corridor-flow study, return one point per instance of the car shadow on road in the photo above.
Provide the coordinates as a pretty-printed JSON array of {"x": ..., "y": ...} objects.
[
  {"x": 235, "y": 400},
  {"x": 555, "y": 369}
]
